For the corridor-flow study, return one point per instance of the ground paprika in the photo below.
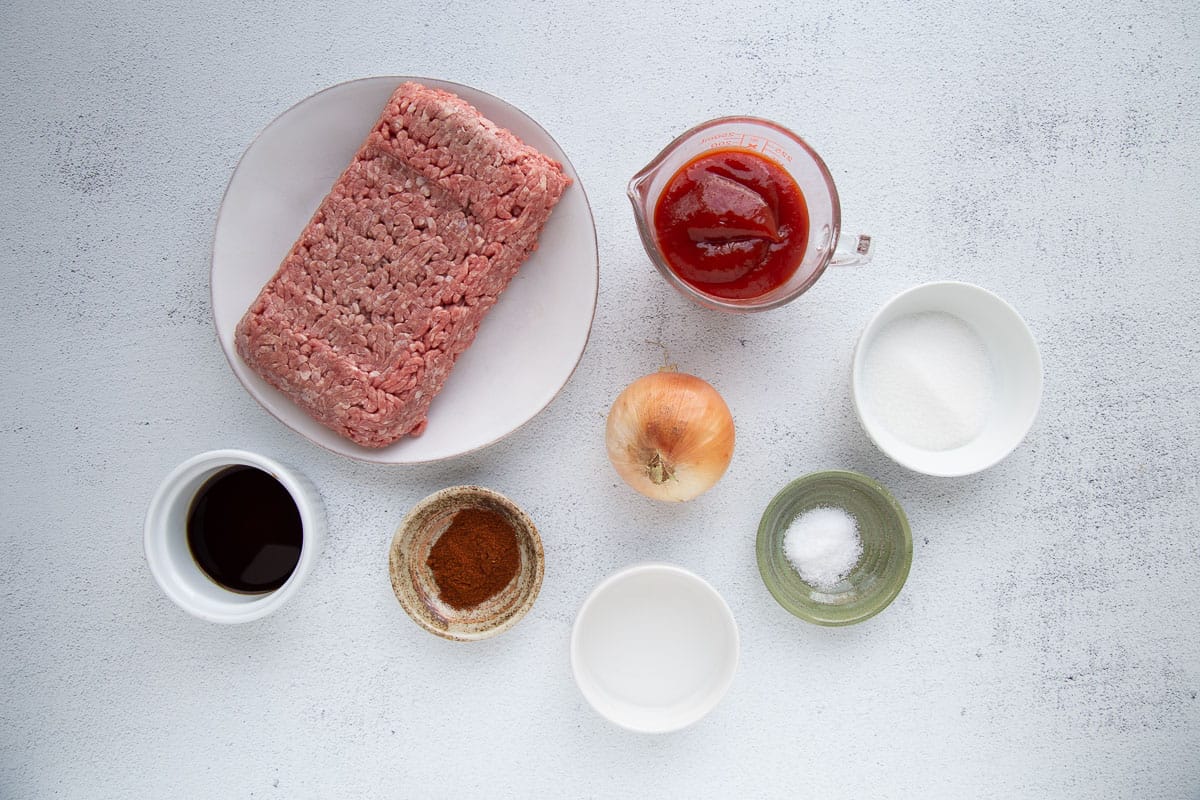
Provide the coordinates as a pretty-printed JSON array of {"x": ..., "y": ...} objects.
[{"x": 475, "y": 558}]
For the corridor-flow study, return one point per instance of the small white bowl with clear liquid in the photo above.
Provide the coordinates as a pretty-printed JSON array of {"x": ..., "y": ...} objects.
[{"x": 654, "y": 648}]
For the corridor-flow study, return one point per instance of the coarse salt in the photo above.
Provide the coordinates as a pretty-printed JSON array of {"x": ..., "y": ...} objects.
[
  {"x": 929, "y": 380},
  {"x": 823, "y": 545}
]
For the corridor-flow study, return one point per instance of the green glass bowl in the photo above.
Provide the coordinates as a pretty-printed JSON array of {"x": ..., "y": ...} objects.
[{"x": 875, "y": 580}]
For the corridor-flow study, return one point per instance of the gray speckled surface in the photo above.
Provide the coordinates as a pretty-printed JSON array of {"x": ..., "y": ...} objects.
[{"x": 1048, "y": 641}]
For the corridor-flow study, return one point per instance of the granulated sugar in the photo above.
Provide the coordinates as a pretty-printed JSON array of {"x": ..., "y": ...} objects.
[
  {"x": 929, "y": 380},
  {"x": 823, "y": 545}
]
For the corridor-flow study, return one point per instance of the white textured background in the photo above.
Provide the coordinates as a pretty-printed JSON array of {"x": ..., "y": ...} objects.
[{"x": 1047, "y": 643}]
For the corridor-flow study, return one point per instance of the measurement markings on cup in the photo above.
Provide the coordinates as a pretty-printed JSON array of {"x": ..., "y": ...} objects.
[{"x": 761, "y": 144}]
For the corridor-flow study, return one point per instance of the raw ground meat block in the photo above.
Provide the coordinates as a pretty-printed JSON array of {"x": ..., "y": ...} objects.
[{"x": 388, "y": 283}]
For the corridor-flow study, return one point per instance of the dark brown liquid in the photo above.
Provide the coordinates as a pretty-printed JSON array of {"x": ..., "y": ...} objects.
[{"x": 244, "y": 530}]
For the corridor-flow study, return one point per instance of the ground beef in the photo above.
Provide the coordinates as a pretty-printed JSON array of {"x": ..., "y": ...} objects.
[{"x": 388, "y": 283}]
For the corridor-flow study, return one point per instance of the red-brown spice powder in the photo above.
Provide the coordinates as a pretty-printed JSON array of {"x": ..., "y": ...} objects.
[{"x": 475, "y": 558}]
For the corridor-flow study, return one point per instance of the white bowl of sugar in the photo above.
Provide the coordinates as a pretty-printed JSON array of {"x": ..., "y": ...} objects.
[{"x": 946, "y": 379}]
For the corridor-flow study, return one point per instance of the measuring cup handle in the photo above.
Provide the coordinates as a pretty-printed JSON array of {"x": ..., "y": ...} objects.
[{"x": 852, "y": 249}]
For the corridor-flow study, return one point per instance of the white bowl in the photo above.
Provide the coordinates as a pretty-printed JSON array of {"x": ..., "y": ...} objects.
[
  {"x": 654, "y": 648},
  {"x": 171, "y": 562},
  {"x": 1017, "y": 370}
]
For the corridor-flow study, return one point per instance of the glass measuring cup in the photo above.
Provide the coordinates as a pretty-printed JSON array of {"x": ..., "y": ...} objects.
[{"x": 826, "y": 243}]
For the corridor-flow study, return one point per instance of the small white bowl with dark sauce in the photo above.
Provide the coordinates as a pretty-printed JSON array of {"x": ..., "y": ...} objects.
[{"x": 230, "y": 535}]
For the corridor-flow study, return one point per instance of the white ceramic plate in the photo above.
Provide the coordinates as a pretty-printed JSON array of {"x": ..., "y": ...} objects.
[{"x": 528, "y": 345}]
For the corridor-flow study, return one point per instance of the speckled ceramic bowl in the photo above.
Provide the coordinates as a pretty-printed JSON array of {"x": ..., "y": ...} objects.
[
  {"x": 413, "y": 583},
  {"x": 881, "y": 571}
]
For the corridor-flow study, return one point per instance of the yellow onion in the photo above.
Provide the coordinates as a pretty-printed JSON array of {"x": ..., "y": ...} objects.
[{"x": 670, "y": 436}]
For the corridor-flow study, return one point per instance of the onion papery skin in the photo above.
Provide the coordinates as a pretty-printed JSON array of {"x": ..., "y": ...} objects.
[{"x": 670, "y": 436}]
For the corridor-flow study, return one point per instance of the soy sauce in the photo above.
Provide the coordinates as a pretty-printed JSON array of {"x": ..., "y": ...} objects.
[{"x": 244, "y": 530}]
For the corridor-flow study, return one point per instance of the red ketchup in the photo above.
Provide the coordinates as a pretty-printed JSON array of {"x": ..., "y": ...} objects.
[{"x": 732, "y": 224}]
